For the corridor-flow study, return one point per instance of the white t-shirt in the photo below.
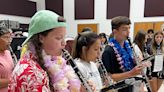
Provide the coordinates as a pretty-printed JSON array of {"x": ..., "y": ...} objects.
[
  {"x": 90, "y": 72},
  {"x": 138, "y": 51}
]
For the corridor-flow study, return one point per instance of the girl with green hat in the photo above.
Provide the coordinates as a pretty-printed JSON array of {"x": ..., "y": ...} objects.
[{"x": 42, "y": 68}]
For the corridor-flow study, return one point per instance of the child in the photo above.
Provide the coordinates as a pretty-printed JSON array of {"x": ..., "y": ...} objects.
[
  {"x": 85, "y": 52},
  {"x": 157, "y": 48},
  {"x": 41, "y": 67}
]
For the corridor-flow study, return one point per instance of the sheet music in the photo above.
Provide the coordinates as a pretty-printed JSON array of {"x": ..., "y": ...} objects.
[{"x": 158, "y": 63}]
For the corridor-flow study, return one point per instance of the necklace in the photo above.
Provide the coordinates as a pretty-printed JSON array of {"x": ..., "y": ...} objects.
[{"x": 123, "y": 55}]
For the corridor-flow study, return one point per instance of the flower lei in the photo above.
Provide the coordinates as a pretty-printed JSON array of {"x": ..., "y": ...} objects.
[
  {"x": 123, "y": 55},
  {"x": 62, "y": 75}
]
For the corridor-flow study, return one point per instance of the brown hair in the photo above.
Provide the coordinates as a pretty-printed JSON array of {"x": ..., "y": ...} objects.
[
  {"x": 154, "y": 44},
  {"x": 140, "y": 39},
  {"x": 120, "y": 20},
  {"x": 83, "y": 39},
  {"x": 35, "y": 46}
]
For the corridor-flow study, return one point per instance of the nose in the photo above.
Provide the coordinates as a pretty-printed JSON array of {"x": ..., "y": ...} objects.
[
  {"x": 63, "y": 43},
  {"x": 128, "y": 30},
  {"x": 99, "y": 53}
]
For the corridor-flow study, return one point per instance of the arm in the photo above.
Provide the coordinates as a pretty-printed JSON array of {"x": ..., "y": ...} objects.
[
  {"x": 4, "y": 83},
  {"x": 121, "y": 76},
  {"x": 111, "y": 64},
  {"x": 4, "y": 80}
]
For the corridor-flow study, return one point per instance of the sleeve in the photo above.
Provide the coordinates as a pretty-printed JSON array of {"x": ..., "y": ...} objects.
[
  {"x": 108, "y": 59},
  {"x": 27, "y": 80},
  {"x": 2, "y": 71},
  {"x": 138, "y": 52}
]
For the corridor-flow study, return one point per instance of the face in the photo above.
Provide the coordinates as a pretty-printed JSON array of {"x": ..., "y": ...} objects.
[
  {"x": 122, "y": 32},
  {"x": 94, "y": 51},
  {"x": 54, "y": 42},
  {"x": 5, "y": 41},
  {"x": 150, "y": 35},
  {"x": 102, "y": 39},
  {"x": 158, "y": 38}
]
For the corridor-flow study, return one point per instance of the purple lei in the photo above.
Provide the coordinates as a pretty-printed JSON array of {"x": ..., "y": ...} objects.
[{"x": 124, "y": 55}]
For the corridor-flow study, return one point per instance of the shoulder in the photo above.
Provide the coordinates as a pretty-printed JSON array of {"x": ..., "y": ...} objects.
[
  {"x": 79, "y": 63},
  {"x": 108, "y": 48},
  {"x": 29, "y": 75}
]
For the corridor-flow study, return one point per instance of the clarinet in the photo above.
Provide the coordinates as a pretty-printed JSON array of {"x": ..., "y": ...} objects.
[
  {"x": 121, "y": 84},
  {"x": 145, "y": 54},
  {"x": 146, "y": 79},
  {"x": 83, "y": 80},
  {"x": 105, "y": 75},
  {"x": 15, "y": 60},
  {"x": 114, "y": 87}
]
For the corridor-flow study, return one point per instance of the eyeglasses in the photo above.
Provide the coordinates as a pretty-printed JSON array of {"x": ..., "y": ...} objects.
[{"x": 6, "y": 37}]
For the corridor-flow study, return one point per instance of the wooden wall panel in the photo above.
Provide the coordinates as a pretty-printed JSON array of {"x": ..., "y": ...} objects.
[
  {"x": 84, "y": 9},
  {"x": 55, "y": 5},
  {"x": 157, "y": 26},
  {"x": 17, "y": 7},
  {"x": 142, "y": 26},
  {"x": 118, "y": 8},
  {"x": 94, "y": 27}
]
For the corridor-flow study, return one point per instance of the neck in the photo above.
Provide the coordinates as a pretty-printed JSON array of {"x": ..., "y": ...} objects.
[
  {"x": 2, "y": 51},
  {"x": 120, "y": 41},
  {"x": 84, "y": 59}
]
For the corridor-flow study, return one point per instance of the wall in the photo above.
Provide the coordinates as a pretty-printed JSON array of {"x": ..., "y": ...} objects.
[
  {"x": 100, "y": 17},
  {"x": 40, "y": 5},
  {"x": 136, "y": 15}
]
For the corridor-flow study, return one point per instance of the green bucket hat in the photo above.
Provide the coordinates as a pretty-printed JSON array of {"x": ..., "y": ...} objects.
[{"x": 43, "y": 20}]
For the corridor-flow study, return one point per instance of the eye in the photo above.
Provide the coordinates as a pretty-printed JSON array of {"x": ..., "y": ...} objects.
[{"x": 58, "y": 38}]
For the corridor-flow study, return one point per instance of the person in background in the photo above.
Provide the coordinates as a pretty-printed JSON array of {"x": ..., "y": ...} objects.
[
  {"x": 104, "y": 42},
  {"x": 118, "y": 55},
  {"x": 6, "y": 62},
  {"x": 85, "y": 52},
  {"x": 149, "y": 38},
  {"x": 157, "y": 47},
  {"x": 86, "y": 29},
  {"x": 140, "y": 53},
  {"x": 139, "y": 43},
  {"x": 103, "y": 38},
  {"x": 69, "y": 44},
  {"x": 42, "y": 67}
]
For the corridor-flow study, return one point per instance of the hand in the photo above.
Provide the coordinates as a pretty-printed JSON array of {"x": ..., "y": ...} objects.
[
  {"x": 146, "y": 64},
  {"x": 91, "y": 85},
  {"x": 136, "y": 70}
]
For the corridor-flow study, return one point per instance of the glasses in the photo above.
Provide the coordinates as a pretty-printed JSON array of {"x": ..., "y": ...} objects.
[{"x": 6, "y": 37}]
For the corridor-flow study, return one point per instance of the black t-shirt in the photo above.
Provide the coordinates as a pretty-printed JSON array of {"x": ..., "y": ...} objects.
[{"x": 112, "y": 65}]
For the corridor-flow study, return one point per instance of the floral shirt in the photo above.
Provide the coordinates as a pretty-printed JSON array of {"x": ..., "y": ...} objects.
[{"x": 28, "y": 76}]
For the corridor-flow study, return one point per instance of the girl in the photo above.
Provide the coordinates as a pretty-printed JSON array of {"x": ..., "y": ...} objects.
[
  {"x": 42, "y": 68},
  {"x": 85, "y": 52},
  {"x": 138, "y": 44},
  {"x": 157, "y": 48},
  {"x": 6, "y": 62},
  {"x": 103, "y": 40}
]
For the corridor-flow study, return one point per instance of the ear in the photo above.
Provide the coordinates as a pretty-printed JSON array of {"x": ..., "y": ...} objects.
[
  {"x": 83, "y": 53},
  {"x": 41, "y": 38},
  {"x": 114, "y": 31},
  {"x": 84, "y": 49}
]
